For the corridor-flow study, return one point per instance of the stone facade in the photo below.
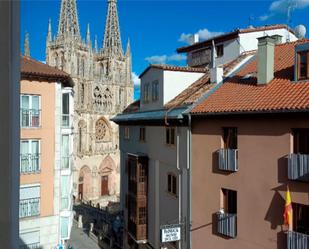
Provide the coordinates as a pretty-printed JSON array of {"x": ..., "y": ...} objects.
[{"x": 103, "y": 88}]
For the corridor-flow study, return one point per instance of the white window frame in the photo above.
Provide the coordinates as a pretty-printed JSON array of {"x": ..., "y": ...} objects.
[
  {"x": 30, "y": 152},
  {"x": 29, "y": 109}
]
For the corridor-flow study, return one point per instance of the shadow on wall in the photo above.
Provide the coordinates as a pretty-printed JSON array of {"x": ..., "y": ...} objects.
[
  {"x": 275, "y": 211},
  {"x": 283, "y": 169}
]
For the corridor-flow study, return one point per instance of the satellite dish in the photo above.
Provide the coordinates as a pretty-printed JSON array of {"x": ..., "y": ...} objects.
[{"x": 300, "y": 31}]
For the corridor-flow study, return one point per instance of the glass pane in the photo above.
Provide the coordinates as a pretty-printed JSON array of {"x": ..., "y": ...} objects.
[
  {"x": 35, "y": 147},
  {"x": 64, "y": 227},
  {"x": 24, "y": 147},
  {"x": 35, "y": 103},
  {"x": 65, "y": 145},
  {"x": 65, "y": 103},
  {"x": 25, "y": 102}
]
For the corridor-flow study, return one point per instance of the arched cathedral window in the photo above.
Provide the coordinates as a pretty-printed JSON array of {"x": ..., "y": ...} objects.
[
  {"x": 97, "y": 97},
  {"x": 83, "y": 67},
  {"x": 82, "y": 94}
]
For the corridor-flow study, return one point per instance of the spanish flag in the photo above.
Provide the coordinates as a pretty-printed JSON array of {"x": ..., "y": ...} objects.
[{"x": 288, "y": 211}]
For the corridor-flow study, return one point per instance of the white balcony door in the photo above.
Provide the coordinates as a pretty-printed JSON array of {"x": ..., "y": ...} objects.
[{"x": 29, "y": 150}]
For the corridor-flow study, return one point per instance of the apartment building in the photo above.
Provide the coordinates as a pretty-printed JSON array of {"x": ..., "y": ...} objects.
[
  {"x": 229, "y": 46},
  {"x": 249, "y": 144},
  {"x": 46, "y": 145},
  {"x": 155, "y": 145}
]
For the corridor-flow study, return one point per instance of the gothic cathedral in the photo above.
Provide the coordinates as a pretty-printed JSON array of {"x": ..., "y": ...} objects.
[{"x": 103, "y": 88}]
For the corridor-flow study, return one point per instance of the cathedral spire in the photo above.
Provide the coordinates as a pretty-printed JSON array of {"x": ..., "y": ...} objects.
[
  {"x": 96, "y": 44},
  {"x": 112, "y": 40},
  {"x": 88, "y": 35},
  {"x": 27, "y": 45},
  {"x": 68, "y": 21},
  {"x": 128, "y": 49},
  {"x": 49, "y": 34}
]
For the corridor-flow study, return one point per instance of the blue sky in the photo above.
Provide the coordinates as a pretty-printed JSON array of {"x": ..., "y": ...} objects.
[{"x": 157, "y": 28}]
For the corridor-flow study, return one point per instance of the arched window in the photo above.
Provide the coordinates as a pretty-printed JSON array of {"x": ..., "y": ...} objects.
[
  {"x": 102, "y": 131},
  {"x": 83, "y": 67},
  {"x": 56, "y": 62},
  {"x": 78, "y": 65},
  {"x": 82, "y": 94},
  {"x": 82, "y": 128}
]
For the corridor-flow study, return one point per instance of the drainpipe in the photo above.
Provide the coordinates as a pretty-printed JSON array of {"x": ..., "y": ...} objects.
[
  {"x": 179, "y": 187},
  {"x": 189, "y": 175}
]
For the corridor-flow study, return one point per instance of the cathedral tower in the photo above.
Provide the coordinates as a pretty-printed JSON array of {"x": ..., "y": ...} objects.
[{"x": 103, "y": 88}]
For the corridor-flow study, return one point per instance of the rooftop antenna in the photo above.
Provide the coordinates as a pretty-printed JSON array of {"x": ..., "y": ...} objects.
[{"x": 289, "y": 19}]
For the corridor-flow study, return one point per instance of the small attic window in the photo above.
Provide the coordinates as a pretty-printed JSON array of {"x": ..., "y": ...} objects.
[{"x": 303, "y": 65}]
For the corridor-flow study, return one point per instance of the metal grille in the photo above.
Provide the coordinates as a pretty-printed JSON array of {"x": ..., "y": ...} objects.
[
  {"x": 29, "y": 163},
  {"x": 228, "y": 159},
  {"x": 227, "y": 224},
  {"x": 30, "y": 117},
  {"x": 30, "y": 246},
  {"x": 298, "y": 167},
  {"x": 29, "y": 207},
  {"x": 297, "y": 240}
]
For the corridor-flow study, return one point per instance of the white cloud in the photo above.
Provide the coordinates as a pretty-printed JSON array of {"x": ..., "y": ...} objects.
[
  {"x": 163, "y": 59},
  {"x": 281, "y": 7},
  {"x": 136, "y": 79},
  {"x": 204, "y": 34}
]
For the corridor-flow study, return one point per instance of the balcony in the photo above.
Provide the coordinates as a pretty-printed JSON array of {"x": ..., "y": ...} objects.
[
  {"x": 227, "y": 224},
  {"x": 29, "y": 207},
  {"x": 30, "y": 246},
  {"x": 228, "y": 160},
  {"x": 298, "y": 167},
  {"x": 29, "y": 163},
  {"x": 297, "y": 240},
  {"x": 30, "y": 118},
  {"x": 66, "y": 121}
]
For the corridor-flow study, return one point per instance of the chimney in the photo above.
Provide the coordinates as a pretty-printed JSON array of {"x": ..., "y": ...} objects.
[
  {"x": 196, "y": 38},
  {"x": 277, "y": 39},
  {"x": 266, "y": 54},
  {"x": 216, "y": 74}
]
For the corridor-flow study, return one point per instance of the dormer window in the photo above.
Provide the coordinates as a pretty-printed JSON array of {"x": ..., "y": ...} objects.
[{"x": 303, "y": 65}]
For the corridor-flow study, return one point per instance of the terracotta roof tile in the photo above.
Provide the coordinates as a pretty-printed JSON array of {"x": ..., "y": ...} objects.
[
  {"x": 244, "y": 95},
  {"x": 35, "y": 70},
  {"x": 196, "y": 90}
]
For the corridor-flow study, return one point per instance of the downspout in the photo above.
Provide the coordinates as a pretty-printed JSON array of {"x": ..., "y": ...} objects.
[{"x": 189, "y": 175}]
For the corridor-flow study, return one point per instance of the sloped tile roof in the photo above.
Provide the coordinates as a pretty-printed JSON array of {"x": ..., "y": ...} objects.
[
  {"x": 34, "y": 70},
  {"x": 241, "y": 94},
  {"x": 196, "y": 90}
]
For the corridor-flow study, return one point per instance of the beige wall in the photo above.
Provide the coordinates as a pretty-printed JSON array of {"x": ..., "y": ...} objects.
[
  {"x": 46, "y": 133},
  {"x": 263, "y": 145}
]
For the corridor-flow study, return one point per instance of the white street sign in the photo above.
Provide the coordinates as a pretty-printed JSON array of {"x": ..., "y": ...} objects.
[{"x": 170, "y": 234}]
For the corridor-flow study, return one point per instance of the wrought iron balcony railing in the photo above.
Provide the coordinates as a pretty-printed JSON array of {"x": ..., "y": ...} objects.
[
  {"x": 298, "y": 167},
  {"x": 297, "y": 240},
  {"x": 29, "y": 163},
  {"x": 29, "y": 207},
  {"x": 30, "y": 246},
  {"x": 30, "y": 118},
  {"x": 228, "y": 160},
  {"x": 227, "y": 224}
]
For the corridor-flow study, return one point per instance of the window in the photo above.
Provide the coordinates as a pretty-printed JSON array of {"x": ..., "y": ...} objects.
[
  {"x": 29, "y": 201},
  {"x": 303, "y": 65},
  {"x": 146, "y": 93},
  {"x": 219, "y": 50},
  {"x": 29, "y": 240},
  {"x": 142, "y": 134},
  {"x": 64, "y": 227},
  {"x": 155, "y": 90},
  {"x": 30, "y": 111},
  {"x": 301, "y": 218},
  {"x": 229, "y": 201},
  {"x": 66, "y": 110},
  {"x": 170, "y": 135},
  {"x": 126, "y": 133},
  {"x": 301, "y": 141},
  {"x": 172, "y": 184},
  {"x": 230, "y": 138},
  {"x": 142, "y": 215},
  {"x": 65, "y": 152},
  {"x": 65, "y": 192},
  {"x": 29, "y": 156}
]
